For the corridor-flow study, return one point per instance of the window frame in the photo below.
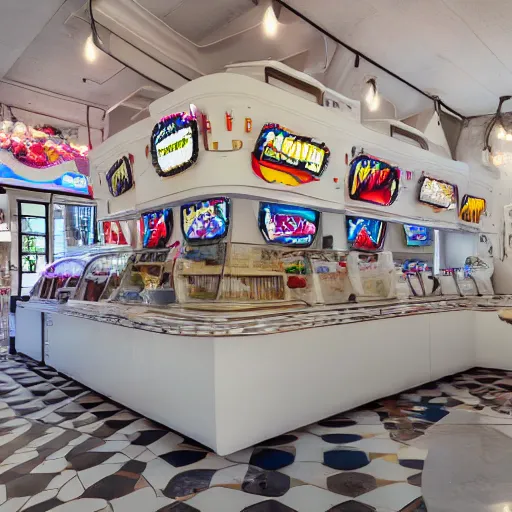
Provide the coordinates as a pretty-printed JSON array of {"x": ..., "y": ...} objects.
[{"x": 46, "y": 236}]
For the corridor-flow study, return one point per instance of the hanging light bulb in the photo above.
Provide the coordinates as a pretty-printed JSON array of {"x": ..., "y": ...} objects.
[
  {"x": 502, "y": 133},
  {"x": 372, "y": 96},
  {"x": 270, "y": 23},
  {"x": 90, "y": 51}
]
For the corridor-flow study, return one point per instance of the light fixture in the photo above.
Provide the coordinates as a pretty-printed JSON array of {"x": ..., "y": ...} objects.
[
  {"x": 372, "y": 95},
  {"x": 498, "y": 125},
  {"x": 90, "y": 51},
  {"x": 270, "y": 22}
]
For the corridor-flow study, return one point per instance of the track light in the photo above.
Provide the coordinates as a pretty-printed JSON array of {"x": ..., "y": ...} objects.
[
  {"x": 270, "y": 22},
  {"x": 90, "y": 51},
  {"x": 372, "y": 95}
]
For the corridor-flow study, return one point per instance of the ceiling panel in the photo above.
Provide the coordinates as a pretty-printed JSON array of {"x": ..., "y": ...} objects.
[
  {"x": 55, "y": 61},
  {"x": 194, "y": 19},
  {"x": 160, "y": 8},
  {"x": 20, "y": 22}
]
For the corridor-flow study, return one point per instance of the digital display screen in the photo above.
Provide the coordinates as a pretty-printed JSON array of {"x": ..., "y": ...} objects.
[
  {"x": 206, "y": 220},
  {"x": 281, "y": 156},
  {"x": 438, "y": 194},
  {"x": 156, "y": 228},
  {"x": 417, "y": 235},
  {"x": 366, "y": 234},
  {"x": 373, "y": 181},
  {"x": 288, "y": 225},
  {"x": 471, "y": 209},
  {"x": 174, "y": 144}
]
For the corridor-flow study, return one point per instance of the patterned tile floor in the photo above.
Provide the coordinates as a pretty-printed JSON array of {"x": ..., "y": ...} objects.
[{"x": 65, "y": 448}]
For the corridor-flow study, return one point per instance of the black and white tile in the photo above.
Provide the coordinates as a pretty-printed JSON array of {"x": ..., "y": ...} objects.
[{"x": 63, "y": 447}]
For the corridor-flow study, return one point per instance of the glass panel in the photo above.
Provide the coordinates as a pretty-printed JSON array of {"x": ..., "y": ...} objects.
[
  {"x": 33, "y": 225},
  {"x": 27, "y": 282},
  {"x": 148, "y": 279},
  {"x": 33, "y": 244},
  {"x": 28, "y": 263},
  {"x": 33, "y": 263},
  {"x": 35, "y": 210},
  {"x": 73, "y": 226},
  {"x": 102, "y": 276},
  {"x": 198, "y": 272}
]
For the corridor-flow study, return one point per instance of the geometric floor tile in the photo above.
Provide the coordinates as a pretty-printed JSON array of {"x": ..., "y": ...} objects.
[{"x": 68, "y": 449}]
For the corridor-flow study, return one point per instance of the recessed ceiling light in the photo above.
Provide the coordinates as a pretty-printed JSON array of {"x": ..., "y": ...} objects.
[{"x": 90, "y": 51}]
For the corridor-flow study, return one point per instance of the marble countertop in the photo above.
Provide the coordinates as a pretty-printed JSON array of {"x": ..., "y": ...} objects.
[{"x": 187, "y": 320}]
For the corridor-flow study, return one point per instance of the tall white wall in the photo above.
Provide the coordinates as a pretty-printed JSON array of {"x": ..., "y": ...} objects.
[{"x": 469, "y": 150}]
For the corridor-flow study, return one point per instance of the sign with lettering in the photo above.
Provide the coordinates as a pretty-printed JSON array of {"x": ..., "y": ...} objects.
[
  {"x": 280, "y": 156},
  {"x": 174, "y": 144}
]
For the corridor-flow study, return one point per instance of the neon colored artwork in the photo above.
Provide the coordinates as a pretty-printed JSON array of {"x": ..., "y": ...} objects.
[
  {"x": 206, "y": 220},
  {"x": 120, "y": 176},
  {"x": 283, "y": 157},
  {"x": 366, "y": 234},
  {"x": 417, "y": 235},
  {"x": 373, "y": 181},
  {"x": 471, "y": 209},
  {"x": 156, "y": 228},
  {"x": 174, "y": 144},
  {"x": 113, "y": 234},
  {"x": 438, "y": 194},
  {"x": 288, "y": 225},
  {"x": 38, "y": 147}
]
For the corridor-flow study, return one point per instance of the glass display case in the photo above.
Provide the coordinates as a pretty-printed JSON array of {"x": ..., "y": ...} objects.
[
  {"x": 89, "y": 276},
  {"x": 102, "y": 276},
  {"x": 148, "y": 278},
  {"x": 63, "y": 273},
  {"x": 233, "y": 272}
]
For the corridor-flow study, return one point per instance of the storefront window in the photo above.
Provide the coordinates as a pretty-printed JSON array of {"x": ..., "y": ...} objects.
[{"x": 73, "y": 226}]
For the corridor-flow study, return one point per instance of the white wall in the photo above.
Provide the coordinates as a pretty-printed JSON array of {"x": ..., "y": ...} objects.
[{"x": 456, "y": 247}]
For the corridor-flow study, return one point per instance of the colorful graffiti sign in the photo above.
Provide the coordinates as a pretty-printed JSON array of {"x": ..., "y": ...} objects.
[
  {"x": 471, "y": 208},
  {"x": 373, "y": 181},
  {"x": 280, "y": 156},
  {"x": 120, "y": 176},
  {"x": 174, "y": 144}
]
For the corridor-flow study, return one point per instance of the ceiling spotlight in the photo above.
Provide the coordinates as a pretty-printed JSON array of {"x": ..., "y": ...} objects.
[
  {"x": 372, "y": 95},
  {"x": 90, "y": 51},
  {"x": 270, "y": 23}
]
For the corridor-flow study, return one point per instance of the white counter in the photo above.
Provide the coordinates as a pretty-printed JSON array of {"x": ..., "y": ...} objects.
[{"x": 229, "y": 392}]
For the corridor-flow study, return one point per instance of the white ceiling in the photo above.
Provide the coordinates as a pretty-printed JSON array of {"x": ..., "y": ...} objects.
[
  {"x": 20, "y": 22},
  {"x": 457, "y": 49}
]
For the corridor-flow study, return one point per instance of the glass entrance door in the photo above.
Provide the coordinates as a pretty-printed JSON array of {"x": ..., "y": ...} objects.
[{"x": 32, "y": 243}]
